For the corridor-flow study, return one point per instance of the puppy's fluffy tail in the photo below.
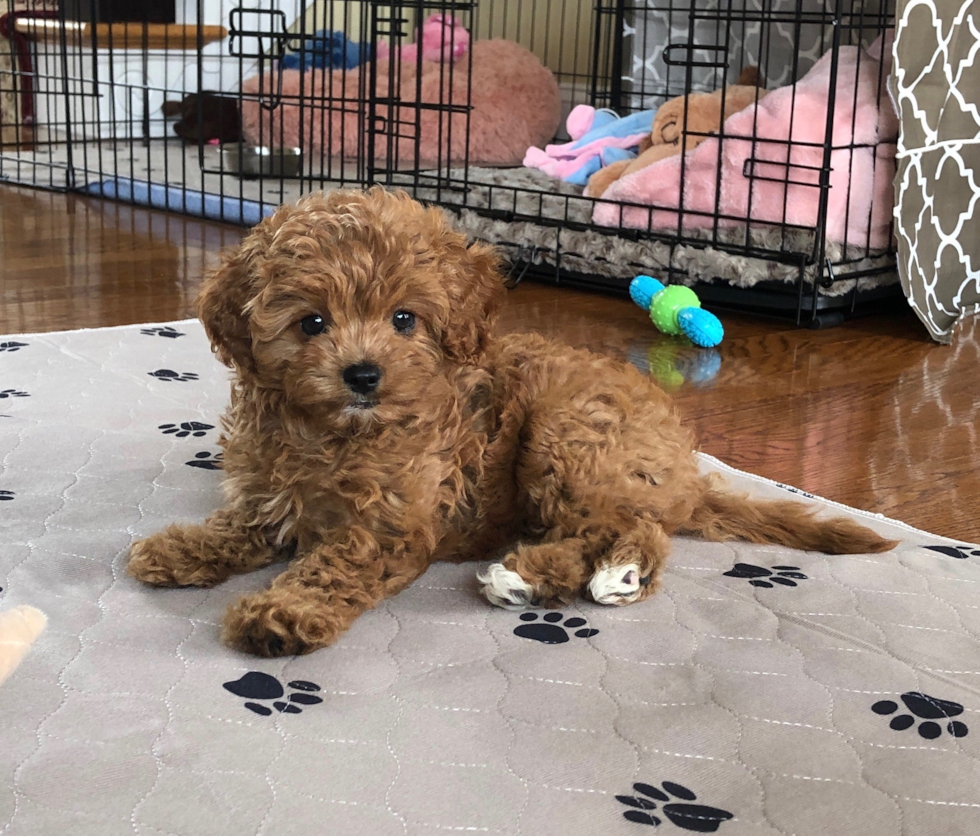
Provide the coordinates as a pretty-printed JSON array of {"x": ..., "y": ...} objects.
[{"x": 728, "y": 516}]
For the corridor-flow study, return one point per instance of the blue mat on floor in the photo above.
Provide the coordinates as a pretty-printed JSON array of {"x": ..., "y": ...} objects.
[{"x": 231, "y": 210}]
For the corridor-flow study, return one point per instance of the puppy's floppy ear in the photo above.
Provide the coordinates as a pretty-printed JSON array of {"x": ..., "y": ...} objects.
[
  {"x": 476, "y": 292},
  {"x": 221, "y": 306}
]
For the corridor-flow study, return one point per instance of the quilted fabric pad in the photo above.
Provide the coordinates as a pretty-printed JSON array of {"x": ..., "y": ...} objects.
[{"x": 763, "y": 691}]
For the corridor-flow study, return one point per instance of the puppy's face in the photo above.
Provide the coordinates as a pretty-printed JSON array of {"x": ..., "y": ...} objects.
[{"x": 356, "y": 306}]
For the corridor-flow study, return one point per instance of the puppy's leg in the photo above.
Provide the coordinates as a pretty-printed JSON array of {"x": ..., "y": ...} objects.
[
  {"x": 318, "y": 597},
  {"x": 601, "y": 458},
  {"x": 541, "y": 575},
  {"x": 630, "y": 570},
  {"x": 615, "y": 560},
  {"x": 201, "y": 555}
]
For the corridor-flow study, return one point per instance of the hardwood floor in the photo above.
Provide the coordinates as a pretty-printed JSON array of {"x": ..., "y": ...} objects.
[{"x": 871, "y": 414}]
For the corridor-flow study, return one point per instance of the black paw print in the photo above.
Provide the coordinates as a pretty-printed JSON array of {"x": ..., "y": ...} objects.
[
  {"x": 791, "y": 489},
  {"x": 167, "y": 374},
  {"x": 11, "y": 345},
  {"x": 925, "y": 708},
  {"x": 697, "y": 817},
  {"x": 6, "y": 496},
  {"x": 261, "y": 686},
  {"x": 12, "y": 393},
  {"x": 194, "y": 428},
  {"x": 959, "y": 552},
  {"x": 778, "y": 574},
  {"x": 166, "y": 331},
  {"x": 207, "y": 461},
  {"x": 551, "y": 632}
]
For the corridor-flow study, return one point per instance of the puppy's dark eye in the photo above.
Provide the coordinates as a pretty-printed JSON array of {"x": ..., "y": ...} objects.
[
  {"x": 404, "y": 321},
  {"x": 313, "y": 325}
]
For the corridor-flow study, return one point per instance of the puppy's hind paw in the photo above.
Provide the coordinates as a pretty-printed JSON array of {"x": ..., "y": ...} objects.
[
  {"x": 617, "y": 585},
  {"x": 504, "y": 588}
]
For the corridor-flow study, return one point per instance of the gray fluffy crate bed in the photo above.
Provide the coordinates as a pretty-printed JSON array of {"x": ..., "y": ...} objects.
[{"x": 531, "y": 194}]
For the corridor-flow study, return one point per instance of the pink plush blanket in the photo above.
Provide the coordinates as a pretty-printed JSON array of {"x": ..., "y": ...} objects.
[
  {"x": 860, "y": 199},
  {"x": 515, "y": 103}
]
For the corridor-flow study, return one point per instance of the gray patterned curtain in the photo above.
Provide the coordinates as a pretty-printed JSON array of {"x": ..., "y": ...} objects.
[{"x": 936, "y": 86}]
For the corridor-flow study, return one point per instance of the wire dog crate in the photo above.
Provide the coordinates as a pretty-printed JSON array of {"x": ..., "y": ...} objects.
[{"x": 499, "y": 112}]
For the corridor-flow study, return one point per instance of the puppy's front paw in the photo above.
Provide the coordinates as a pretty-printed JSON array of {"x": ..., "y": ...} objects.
[
  {"x": 168, "y": 558},
  {"x": 503, "y": 587},
  {"x": 272, "y": 624}
]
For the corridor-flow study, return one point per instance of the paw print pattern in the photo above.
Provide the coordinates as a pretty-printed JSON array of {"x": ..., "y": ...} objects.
[
  {"x": 12, "y": 393},
  {"x": 261, "y": 686},
  {"x": 551, "y": 632},
  {"x": 959, "y": 552},
  {"x": 925, "y": 708},
  {"x": 11, "y": 345},
  {"x": 783, "y": 575},
  {"x": 6, "y": 496},
  {"x": 194, "y": 428},
  {"x": 167, "y": 375},
  {"x": 166, "y": 331},
  {"x": 697, "y": 817},
  {"x": 207, "y": 461},
  {"x": 791, "y": 489}
]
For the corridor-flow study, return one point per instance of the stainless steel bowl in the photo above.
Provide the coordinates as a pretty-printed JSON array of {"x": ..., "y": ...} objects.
[{"x": 261, "y": 161}]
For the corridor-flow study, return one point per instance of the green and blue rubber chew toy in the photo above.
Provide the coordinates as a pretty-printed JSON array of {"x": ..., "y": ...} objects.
[{"x": 676, "y": 310}]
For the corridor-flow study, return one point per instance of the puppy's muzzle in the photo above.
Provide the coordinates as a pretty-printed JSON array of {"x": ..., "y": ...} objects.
[{"x": 362, "y": 378}]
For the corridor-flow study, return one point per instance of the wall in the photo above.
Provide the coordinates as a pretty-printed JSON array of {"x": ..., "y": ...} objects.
[{"x": 557, "y": 31}]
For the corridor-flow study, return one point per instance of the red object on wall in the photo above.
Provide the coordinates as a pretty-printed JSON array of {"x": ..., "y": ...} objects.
[{"x": 22, "y": 51}]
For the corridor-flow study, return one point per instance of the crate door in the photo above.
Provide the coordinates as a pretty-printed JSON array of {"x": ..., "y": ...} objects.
[{"x": 418, "y": 130}]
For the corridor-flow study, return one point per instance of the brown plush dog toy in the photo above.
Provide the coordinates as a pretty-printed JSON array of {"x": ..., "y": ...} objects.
[
  {"x": 377, "y": 425},
  {"x": 704, "y": 117}
]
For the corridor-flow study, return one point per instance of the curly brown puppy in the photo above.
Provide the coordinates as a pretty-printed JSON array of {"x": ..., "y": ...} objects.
[{"x": 376, "y": 427}]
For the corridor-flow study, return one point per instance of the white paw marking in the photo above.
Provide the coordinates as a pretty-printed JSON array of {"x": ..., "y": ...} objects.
[
  {"x": 616, "y": 585},
  {"x": 504, "y": 588}
]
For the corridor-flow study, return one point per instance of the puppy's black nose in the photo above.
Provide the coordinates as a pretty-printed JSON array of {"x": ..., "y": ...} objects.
[{"x": 362, "y": 378}]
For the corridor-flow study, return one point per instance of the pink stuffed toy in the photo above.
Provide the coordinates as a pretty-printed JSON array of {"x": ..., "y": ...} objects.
[
  {"x": 443, "y": 38},
  {"x": 862, "y": 161}
]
